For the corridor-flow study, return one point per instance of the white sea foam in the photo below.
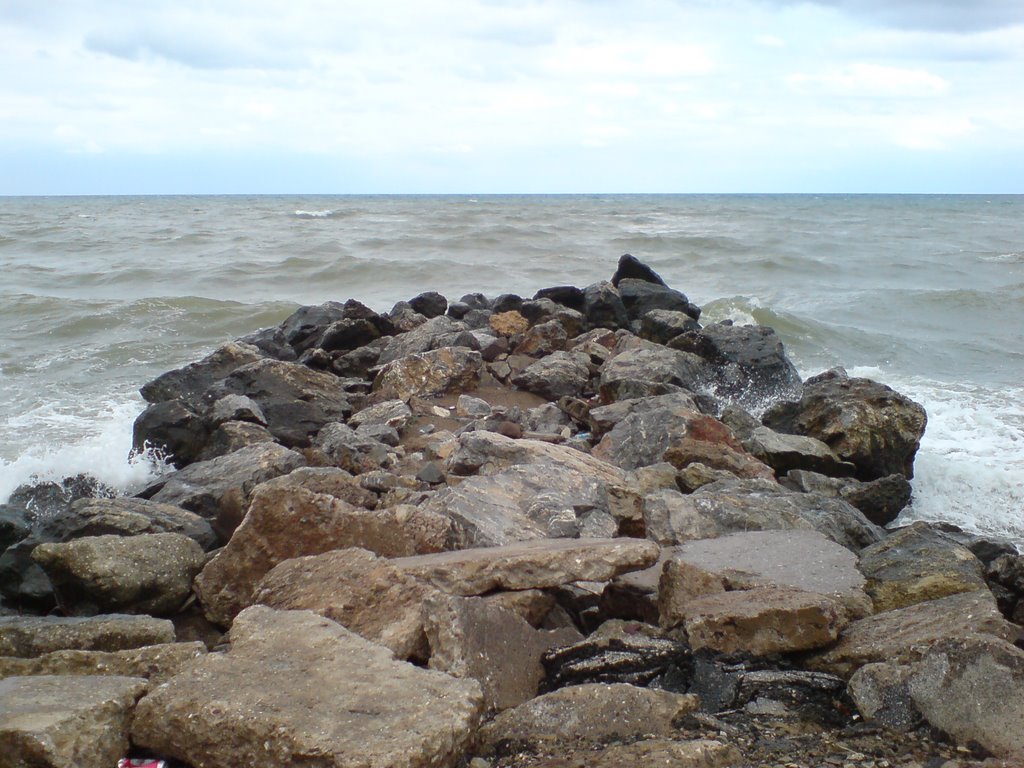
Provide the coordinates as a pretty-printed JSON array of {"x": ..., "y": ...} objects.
[{"x": 321, "y": 214}]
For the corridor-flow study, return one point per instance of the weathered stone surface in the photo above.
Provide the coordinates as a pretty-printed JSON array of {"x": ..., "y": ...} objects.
[
  {"x": 717, "y": 455},
  {"x": 429, "y": 304},
  {"x": 470, "y": 638},
  {"x": 171, "y": 430},
  {"x": 786, "y": 452},
  {"x": 393, "y": 413},
  {"x": 864, "y": 422},
  {"x": 347, "y": 334},
  {"x": 561, "y": 374},
  {"x": 882, "y": 694},
  {"x": 449, "y": 369},
  {"x": 304, "y": 326},
  {"x": 422, "y": 338},
  {"x": 236, "y": 408},
  {"x": 903, "y": 635},
  {"x": 603, "y": 307},
  {"x": 57, "y": 721},
  {"x": 631, "y": 268},
  {"x": 763, "y": 620},
  {"x": 752, "y": 505},
  {"x": 296, "y": 400},
  {"x": 287, "y": 522},
  {"x": 604, "y": 418},
  {"x": 543, "y": 339},
  {"x": 529, "y": 564},
  {"x": 232, "y": 436},
  {"x": 189, "y": 384},
  {"x": 973, "y": 689},
  {"x": 880, "y": 500},
  {"x": 651, "y": 370},
  {"x": 30, "y": 636},
  {"x": 918, "y": 563},
  {"x": 585, "y": 715},
  {"x": 155, "y": 663},
  {"x": 151, "y": 573},
  {"x": 692, "y": 753},
  {"x": 350, "y": 450},
  {"x": 203, "y": 486},
  {"x": 800, "y": 559},
  {"x": 643, "y": 436},
  {"x": 361, "y": 591},
  {"x": 296, "y": 688},
  {"x": 640, "y": 297},
  {"x": 509, "y": 323},
  {"x": 663, "y": 325}
]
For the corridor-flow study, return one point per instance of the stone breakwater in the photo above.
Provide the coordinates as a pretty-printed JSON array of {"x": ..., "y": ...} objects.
[{"x": 576, "y": 529}]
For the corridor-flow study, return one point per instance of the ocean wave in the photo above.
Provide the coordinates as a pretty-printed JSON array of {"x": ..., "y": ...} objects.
[{"x": 324, "y": 213}]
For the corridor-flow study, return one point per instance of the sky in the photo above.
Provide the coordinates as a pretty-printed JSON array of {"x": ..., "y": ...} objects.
[{"x": 509, "y": 96}]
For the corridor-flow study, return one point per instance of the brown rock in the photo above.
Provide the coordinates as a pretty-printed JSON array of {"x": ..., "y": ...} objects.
[
  {"x": 532, "y": 605},
  {"x": 296, "y": 688},
  {"x": 696, "y": 753},
  {"x": 543, "y": 339},
  {"x": 449, "y": 369},
  {"x": 717, "y": 456},
  {"x": 30, "y": 636},
  {"x": 508, "y": 323},
  {"x": 156, "y": 663}
]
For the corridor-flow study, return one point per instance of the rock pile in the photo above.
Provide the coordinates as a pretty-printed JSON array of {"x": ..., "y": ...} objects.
[{"x": 576, "y": 529}]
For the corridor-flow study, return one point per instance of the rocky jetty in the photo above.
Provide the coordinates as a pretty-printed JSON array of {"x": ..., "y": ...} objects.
[{"x": 577, "y": 529}]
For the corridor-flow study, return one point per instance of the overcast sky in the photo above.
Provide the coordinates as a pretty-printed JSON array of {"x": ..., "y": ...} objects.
[{"x": 392, "y": 96}]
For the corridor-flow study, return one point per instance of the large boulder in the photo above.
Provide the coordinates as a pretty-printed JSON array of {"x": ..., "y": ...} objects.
[
  {"x": 784, "y": 453},
  {"x": 560, "y": 374},
  {"x": 296, "y": 688},
  {"x": 603, "y": 307},
  {"x": 189, "y": 384},
  {"x": 604, "y": 418},
  {"x": 640, "y": 297},
  {"x": 55, "y": 721},
  {"x": 449, "y": 369},
  {"x": 864, "y": 422},
  {"x": 155, "y": 663},
  {"x": 30, "y": 636},
  {"x": 423, "y": 338},
  {"x": 171, "y": 430},
  {"x": 652, "y": 370},
  {"x": 880, "y": 500},
  {"x": 631, "y": 268}
]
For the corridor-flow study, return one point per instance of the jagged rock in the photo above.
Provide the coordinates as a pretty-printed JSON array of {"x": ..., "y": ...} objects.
[
  {"x": 232, "y": 436},
  {"x": 361, "y": 591},
  {"x": 882, "y": 694},
  {"x": 864, "y": 422},
  {"x": 392, "y": 413},
  {"x": 421, "y": 339},
  {"x": 189, "y": 384},
  {"x": 203, "y": 487},
  {"x": 642, "y": 437},
  {"x": 404, "y": 319},
  {"x": 296, "y": 687},
  {"x": 30, "y": 636},
  {"x": 880, "y": 500},
  {"x": 606, "y": 417},
  {"x": 271, "y": 342},
  {"x": 693, "y": 753},
  {"x": 236, "y": 408},
  {"x": 296, "y": 400},
  {"x": 172, "y": 430},
  {"x": 663, "y": 325},
  {"x": 567, "y": 295},
  {"x": 304, "y": 326},
  {"x": 359, "y": 363},
  {"x": 543, "y": 339},
  {"x": 15, "y": 525},
  {"x": 537, "y": 607},
  {"x": 450, "y": 369},
  {"x": 561, "y": 374},
  {"x": 763, "y": 621},
  {"x": 285, "y": 522},
  {"x": 55, "y": 721},
  {"x": 710, "y": 444},
  {"x": 640, "y": 297},
  {"x": 752, "y": 505},
  {"x": 800, "y": 559},
  {"x": 351, "y": 450},
  {"x": 155, "y": 663},
  {"x": 347, "y": 334},
  {"x": 470, "y": 638},
  {"x": 902, "y": 636},
  {"x": 1005, "y": 577},
  {"x": 915, "y": 564},
  {"x": 470, "y": 407},
  {"x": 507, "y": 302},
  {"x": 631, "y": 268},
  {"x": 429, "y": 304},
  {"x": 509, "y": 323},
  {"x": 653, "y": 370},
  {"x": 788, "y": 452},
  {"x": 584, "y": 715},
  {"x": 151, "y": 573},
  {"x": 331, "y": 481},
  {"x": 603, "y": 307},
  {"x": 529, "y": 564}
]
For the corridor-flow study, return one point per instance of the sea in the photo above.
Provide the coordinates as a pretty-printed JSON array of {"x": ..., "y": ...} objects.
[{"x": 925, "y": 293}]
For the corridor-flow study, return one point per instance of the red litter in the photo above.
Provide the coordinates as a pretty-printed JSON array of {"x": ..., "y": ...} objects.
[{"x": 143, "y": 762}]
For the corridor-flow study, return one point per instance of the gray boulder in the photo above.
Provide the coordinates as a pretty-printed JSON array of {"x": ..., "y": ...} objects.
[
  {"x": 449, "y": 369},
  {"x": 880, "y": 500},
  {"x": 560, "y": 374},
  {"x": 190, "y": 383},
  {"x": 651, "y": 370},
  {"x": 422, "y": 338},
  {"x": 640, "y": 297}
]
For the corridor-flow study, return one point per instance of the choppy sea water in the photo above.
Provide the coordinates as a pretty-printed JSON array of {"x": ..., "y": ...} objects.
[{"x": 925, "y": 293}]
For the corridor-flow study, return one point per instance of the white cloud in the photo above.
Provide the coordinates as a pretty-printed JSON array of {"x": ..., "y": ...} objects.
[{"x": 874, "y": 80}]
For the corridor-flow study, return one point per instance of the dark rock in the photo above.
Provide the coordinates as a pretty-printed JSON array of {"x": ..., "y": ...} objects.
[
  {"x": 663, "y": 325},
  {"x": 50, "y": 499},
  {"x": 788, "y": 452},
  {"x": 475, "y": 301},
  {"x": 566, "y": 295},
  {"x": 640, "y": 297},
  {"x": 431, "y": 473},
  {"x": 272, "y": 342},
  {"x": 642, "y": 437},
  {"x": 880, "y": 500},
  {"x": 457, "y": 310},
  {"x": 422, "y": 338},
  {"x": 171, "y": 430},
  {"x": 631, "y": 268},
  {"x": 359, "y": 362},
  {"x": 604, "y": 418},
  {"x": 189, "y": 384},
  {"x": 382, "y": 433},
  {"x": 232, "y": 436},
  {"x": 477, "y": 319},
  {"x": 316, "y": 358},
  {"x": 507, "y": 302},
  {"x": 350, "y": 450},
  {"x": 560, "y": 374},
  {"x": 603, "y": 307},
  {"x": 404, "y": 318},
  {"x": 14, "y": 525},
  {"x": 347, "y": 334},
  {"x": 429, "y": 304},
  {"x": 305, "y": 325}
]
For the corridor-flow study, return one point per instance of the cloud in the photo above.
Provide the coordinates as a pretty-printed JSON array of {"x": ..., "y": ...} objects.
[
  {"x": 957, "y": 16},
  {"x": 874, "y": 80}
]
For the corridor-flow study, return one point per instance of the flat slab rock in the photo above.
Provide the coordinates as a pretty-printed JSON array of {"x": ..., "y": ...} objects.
[
  {"x": 696, "y": 753},
  {"x": 57, "y": 721},
  {"x": 529, "y": 564},
  {"x": 156, "y": 663},
  {"x": 30, "y": 636},
  {"x": 298, "y": 689}
]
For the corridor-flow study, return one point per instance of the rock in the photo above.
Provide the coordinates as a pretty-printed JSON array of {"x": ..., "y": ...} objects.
[
  {"x": 430, "y": 304},
  {"x": 296, "y": 687},
  {"x": 763, "y": 621},
  {"x": 549, "y": 419},
  {"x": 663, "y": 325},
  {"x": 296, "y": 400},
  {"x": 271, "y": 342},
  {"x": 57, "y": 721},
  {"x": 882, "y": 694},
  {"x": 470, "y": 407},
  {"x": 543, "y": 339},
  {"x": 916, "y": 564},
  {"x": 973, "y": 689},
  {"x": 392, "y": 413},
  {"x": 330, "y": 481},
  {"x": 151, "y": 573},
  {"x": 404, "y": 318},
  {"x": 604, "y": 418},
  {"x": 171, "y": 430},
  {"x": 560, "y": 374},
  {"x": 694, "y": 753},
  {"x": 506, "y": 302},
  {"x": 359, "y": 363},
  {"x": 236, "y": 408},
  {"x": 584, "y": 715},
  {"x": 421, "y": 339},
  {"x": 189, "y": 384},
  {"x": 640, "y": 297},
  {"x": 305, "y": 325},
  {"x": 361, "y": 591},
  {"x": 603, "y": 307},
  {"x": 631, "y": 268},
  {"x": 15, "y": 525},
  {"x": 902, "y": 636},
  {"x": 716, "y": 453},
  {"x": 788, "y": 452},
  {"x": 450, "y": 369},
  {"x": 752, "y": 505},
  {"x": 155, "y": 663},
  {"x": 567, "y": 295},
  {"x": 800, "y": 559},
  {"x": 529, "y": 564},
  {"x": 203, "y": 487},
  {"x": 347, "y": 334},
  {"x": 864, "y": 422},
  {"x": 647, "y": 371},
  {"x": 471, "y": 639},
  {"x": 232, "y": 436},
  {"x": 351, "y": 450},
  {"x": 642, "y": 437},
  {"x": 537, "y": 607},
  {"x": 286, "y": 522},
  {"x": 880, "y": 500},
  {"x": 30, "y": 636},
  {"x": 509, "y": 323}
]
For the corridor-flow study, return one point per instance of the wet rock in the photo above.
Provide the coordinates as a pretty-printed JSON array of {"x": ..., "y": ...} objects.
[
  {"x": 606, "y": 417},
  {"x": 172, "y": 430},
  {"x": 30, "y": 636},
  {"x": 232, "y": 436},
  {"x": 236, "y": 408},
  {"x": 902, "y": 636},
  {"x": 361, "y": 591},
  {"x": 864, "y": 422},
  {"x": 567, "y": 295},
  {"x": 190, "y": 383},
  {"x": 880, "y": 500},
  {"x": 423, "y": 338},
  {"x": 663, "y": 325},
  {"x": 882, "y": 694},
  {"x": 584, "y": 715},
  {"x": 286, "y": 522},
  {"x": 203, "y": 487},
  {"x": 529, "y": 564},
  {"x": 1005, "y": 577},
  {"x": 763, "y": 621},
  {"x": 295, "y": 685},
  {"x": 640, "y": 297},
  {"x": 305, "y": 325},
  {"x": 603, "y": 307},
  {"x": 150, "y": 573},
  {"x": 348, "y": 334},
  {"x": 430, "y": 304},
  {"x": 561, "y": 374},
  {"x": 631, "y": 268},
  {"x": 155, "y": 663},
  {"x": 450, "y": 369},
  {"x": 470, "y": 638},
  {"x": 915, "y": 564},
  {"x": 654, "y": 370},
  {"x": 14, "y": 525},
  {"x": 55, "y": 721},
  {"x": 787, "y": 452}
]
